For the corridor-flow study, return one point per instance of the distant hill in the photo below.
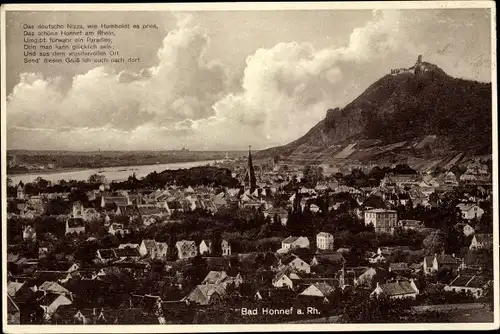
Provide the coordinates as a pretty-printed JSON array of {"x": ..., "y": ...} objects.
[{"x": 418, "y": 115}]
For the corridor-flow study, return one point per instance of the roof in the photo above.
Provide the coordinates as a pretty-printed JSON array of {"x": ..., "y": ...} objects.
[
  {"x": 276, "y": 294},
  {"x": 201, "y": 293},
  {"x": 53, "y": 287},
  {"x": 398, "y": 266},
  {"x": 289, "y": 240},
  {"x": 13, "y": 287},
  {"x": 11, "y": 305},
  {"x": 50, "y": 297},
  {"x": 466, "y": 206},
  {"x": 381, "y": 211},
  {"x": 484, "y": 238},
  {"x": 397, "y": 288},
  {"x": 215, "y": 277},
  {"x": 324, "y": 288},
  {"x": 126, "y": 252},
  {"x": 324, "y": 234},
  {"x": 333, "y": 258},
  {"x": 470, "y": 281},
  {"x": 284, "y": 271},
  {"x": 107, "y": 253},
  {"x": 446, "y": 259},
  {"x": 150, "y": 244},
  {"x": 119, "y": 200},
  {"x": 145, "y": 211},
  {"x": 129, "y": 245},
  {"x": 185, "y": 244},
  {"x": 76, "y": 222}
]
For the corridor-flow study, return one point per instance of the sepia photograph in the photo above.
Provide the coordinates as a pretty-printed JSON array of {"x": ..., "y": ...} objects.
[{"x": 296, "y": 166}]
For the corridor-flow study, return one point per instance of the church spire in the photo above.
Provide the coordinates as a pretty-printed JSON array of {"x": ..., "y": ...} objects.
[{"x": 250, "y": 181}]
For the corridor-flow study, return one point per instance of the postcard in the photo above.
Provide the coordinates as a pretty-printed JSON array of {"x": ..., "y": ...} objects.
[{"x": 217, "y": 167}]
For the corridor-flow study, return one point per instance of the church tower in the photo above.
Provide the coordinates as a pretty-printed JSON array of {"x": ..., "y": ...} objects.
[
  {"x": 250, "y": 181},
  {"x": 20, "y": 190}
]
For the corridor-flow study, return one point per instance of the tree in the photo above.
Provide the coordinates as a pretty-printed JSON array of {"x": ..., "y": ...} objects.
[
  {"x": 361, "y": 308},
  {"x": 434, "y": 243}
]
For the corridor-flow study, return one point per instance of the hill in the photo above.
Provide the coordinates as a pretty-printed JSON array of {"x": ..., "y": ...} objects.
[{"x": 420, "y": 116}]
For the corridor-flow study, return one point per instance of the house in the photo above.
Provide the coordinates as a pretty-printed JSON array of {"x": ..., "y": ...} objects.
[
  {"x": 450, "y": 179},
  {"x": 205, "y": 247},
  {"x": 50, "y": 302},
  {"x": 324, "y": 241},
  {"x": 283, "y": 278},
  {"x": 117, "y": 200},
  {"x": 273, "y": 294},
  {"x": 314, "y": 208},
  {"x": 129, "y": 211},
  {"x": 128, "y": 253},
  {"x": 377, "y": 258},
  {"x": 153, "y": 249},
  {"x": 482, "y": 241},
  {"x": 221, "y": 277},
  {"x": 75, "y": 225},
  {"x": 365, "y": 277},
  {"x": 87, "y": 214},
  {"x": 332, "y": 259},
  {"x": 465, "y": 229},
  {"x": 296, "y": 263},
  {"x": 399, "y": 268},
  {"x": 206, "y": 294},
  {"x": 470, "y": 211},
  {"x": 29, "y": 234},
  {"x": 186, "y": 249},
  {"x": 278, "y": 215},
  {"x": 409, "y": 224},
  {"x": 13, "y": 313},
  {"x": 226, "y": 248},
  {"x": 383, "y": 221},
  {"x": 318, "y": 290},
  {"x": 472, "y": 260},
  {"x": 400, "y": 180},
  {"x": 432, "y": 264},
  {"x": 474, "y": 284},
  {"x": 20, "y": 191},
  {"x": 293, "y": 242},
  {"x": 397, "y": 290},
  {"x": 106, "y": 255},
  {"x": 117, "y": 228},
  {"x": 129, "y": 245}
]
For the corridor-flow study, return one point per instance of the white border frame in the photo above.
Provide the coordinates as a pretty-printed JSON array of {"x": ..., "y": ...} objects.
[{"x": 240, "y": 7}]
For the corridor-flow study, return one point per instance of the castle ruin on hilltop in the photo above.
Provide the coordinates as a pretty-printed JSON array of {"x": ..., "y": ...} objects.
[{"x": 419, "y": 67}]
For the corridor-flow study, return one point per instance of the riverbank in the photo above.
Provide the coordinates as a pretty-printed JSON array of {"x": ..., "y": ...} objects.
[{"x": 118, "y": 173}]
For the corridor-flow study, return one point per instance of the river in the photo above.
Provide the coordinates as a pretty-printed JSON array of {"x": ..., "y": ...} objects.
[{"x": 111, "y": 173}]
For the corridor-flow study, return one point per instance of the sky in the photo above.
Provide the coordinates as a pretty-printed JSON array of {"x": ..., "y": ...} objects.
[{"x": 223, "y": 80}]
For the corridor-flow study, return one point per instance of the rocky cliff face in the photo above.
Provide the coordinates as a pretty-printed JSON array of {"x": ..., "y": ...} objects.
[{"x": 406, "y": 106}]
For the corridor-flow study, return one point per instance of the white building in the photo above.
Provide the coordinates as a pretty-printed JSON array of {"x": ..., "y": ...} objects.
[
  {"x": 468, "y": 283},
  {"x": 324, "y": 241},
  {"x": 186, "y": 249},
  {"x": 293, "y": 242},
  {"x": 470, "y": 211},
  {"x": 205, "y": 247},
  {"x": 397, "y": 290},
  {"x": 384, "y": 221}
]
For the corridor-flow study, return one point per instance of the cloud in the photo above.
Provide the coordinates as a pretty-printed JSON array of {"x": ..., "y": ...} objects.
[
  {"x": 181, "y": 86},
  {"x": 188, "y": 100}
]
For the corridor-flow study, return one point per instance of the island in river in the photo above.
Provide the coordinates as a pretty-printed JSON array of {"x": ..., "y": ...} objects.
[
  {"x": 27, "y": 161},
  {"x": 26, "y": 166}
]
